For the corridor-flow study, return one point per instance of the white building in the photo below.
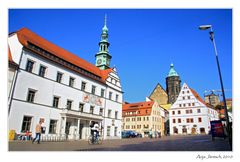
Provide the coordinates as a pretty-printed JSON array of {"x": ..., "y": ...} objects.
[
  {"x": 190, "y": 114},
  {"x": 64, "y": 90}
]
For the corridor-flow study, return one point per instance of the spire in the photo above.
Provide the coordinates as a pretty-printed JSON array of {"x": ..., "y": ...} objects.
[
  {"x": 172, "y": 71},
  {"x": 105, "y": 29}
]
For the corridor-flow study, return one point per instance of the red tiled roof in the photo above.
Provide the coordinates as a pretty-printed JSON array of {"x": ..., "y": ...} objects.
[
  {"x": 140, "y": 107},
  {"x": 104, "y": 73},
  {"x": 198, "y": 97},
  {"x": 25, "y": 35}
]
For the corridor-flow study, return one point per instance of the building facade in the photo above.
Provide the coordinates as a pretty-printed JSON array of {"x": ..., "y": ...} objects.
[
  {"x": 143, "y": 117},
  {"x": 189, "y": 114},
  {"x": 212, "y": 99},
  {"x": 173, "y": 85},
  {"x": 63, "y": 90}
]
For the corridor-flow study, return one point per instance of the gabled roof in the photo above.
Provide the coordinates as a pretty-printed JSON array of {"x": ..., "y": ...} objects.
[
  {"x": 198, "y": 97},
  {"x": 156, "y": 88},
  {"x": 26, "y": 36}
]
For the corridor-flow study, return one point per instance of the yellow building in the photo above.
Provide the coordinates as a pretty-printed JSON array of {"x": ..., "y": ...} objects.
[{"x": 144, "y": 117}]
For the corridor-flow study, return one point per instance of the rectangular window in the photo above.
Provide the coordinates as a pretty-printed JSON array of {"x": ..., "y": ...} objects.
[
  {"x": 116, "y": 98},
  {"x": 180, "y": 105},
  {"x": 81, "y": 106},
  {"x": 147, "y": 118},
  {"x": 101, "y": 111},
  {"x": 93, "y": 89},
  {"x": 31, "y": 95},
  {"x": 189, "y": 104},
  {"x": 191, "y": 120},
  {"x": 71, "y": 81},
  {"x": 26, "y": 124},
  {"x": 83, "y": 86},
  {"x": 108, "y": 130},
  {"x": 59, "y": 77},
  {"x": 69, "y": 104},
  {"x": 116, "y": 114},
  {"x": 188, "y": 120},
  {"x": 193, "y": 104},
  {"x": 183, "y": 98},
  {"x": 199, "y": 120},
  {"x": 188, "y": 97},
  {"x": 102, "y": 92},
  {"x": 179, "y": 120},
  {"x": 173, "y": 112},
  {"x": 53, "y": 127},
  {"x": 179, "y": 112},
  {"x": 91, "y": 109},
  {"x": 55, "y": 101},
  {"x": 174, "y": 120},
  {"x": 109, "y": 113},
  {"x": 110, "y": 95},
  {"x": 29, "y": 66},
  {"x": 115, "y": 131},
  {"x": 199, "y": 110},
  {"x": 42, "y": 71},
  {"x": 190, "y": 111}
]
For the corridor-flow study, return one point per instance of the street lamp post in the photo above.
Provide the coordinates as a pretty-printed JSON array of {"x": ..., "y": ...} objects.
[{"x": 206, "y": 27}]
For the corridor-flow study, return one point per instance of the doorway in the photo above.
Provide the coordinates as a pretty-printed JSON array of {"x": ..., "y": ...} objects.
[
  {"x": 80, "y": 130},
  {"x": 67, "y": 129},
  {"x": 202, "y": 131}
]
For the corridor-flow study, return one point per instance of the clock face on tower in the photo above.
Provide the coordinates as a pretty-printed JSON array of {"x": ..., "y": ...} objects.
[{"x": 99, "y": 61}]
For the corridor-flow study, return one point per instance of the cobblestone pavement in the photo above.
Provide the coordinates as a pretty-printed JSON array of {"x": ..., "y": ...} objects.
[{"x": 169, "y": 143}]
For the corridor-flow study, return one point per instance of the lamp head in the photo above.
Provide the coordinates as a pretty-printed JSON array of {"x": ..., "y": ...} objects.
[{"x": 205, "y": 27}]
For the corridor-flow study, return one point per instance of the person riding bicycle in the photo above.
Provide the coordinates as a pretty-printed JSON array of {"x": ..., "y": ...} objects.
[{"x": 94, "y": 131}]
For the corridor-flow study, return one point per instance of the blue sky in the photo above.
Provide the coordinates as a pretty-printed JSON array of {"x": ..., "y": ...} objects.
[{"x": 143, "y": 43}]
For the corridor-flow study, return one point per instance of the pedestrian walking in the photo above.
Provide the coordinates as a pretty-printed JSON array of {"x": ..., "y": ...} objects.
[{"x": 38, "y": 132}]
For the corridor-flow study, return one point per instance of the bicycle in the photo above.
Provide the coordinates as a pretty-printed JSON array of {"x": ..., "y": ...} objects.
[{"x": 97, "y": 139}]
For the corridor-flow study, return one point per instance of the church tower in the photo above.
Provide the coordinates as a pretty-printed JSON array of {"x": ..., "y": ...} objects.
[
  {"x": 173, "y": 85},
  {"x": 103, "y": 57}
]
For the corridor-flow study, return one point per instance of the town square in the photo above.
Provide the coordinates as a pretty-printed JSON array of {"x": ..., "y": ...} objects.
[{"x": 120, "y": 80}]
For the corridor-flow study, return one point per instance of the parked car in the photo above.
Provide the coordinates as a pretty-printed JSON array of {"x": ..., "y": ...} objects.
[{"x": 130, "y": 134}]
